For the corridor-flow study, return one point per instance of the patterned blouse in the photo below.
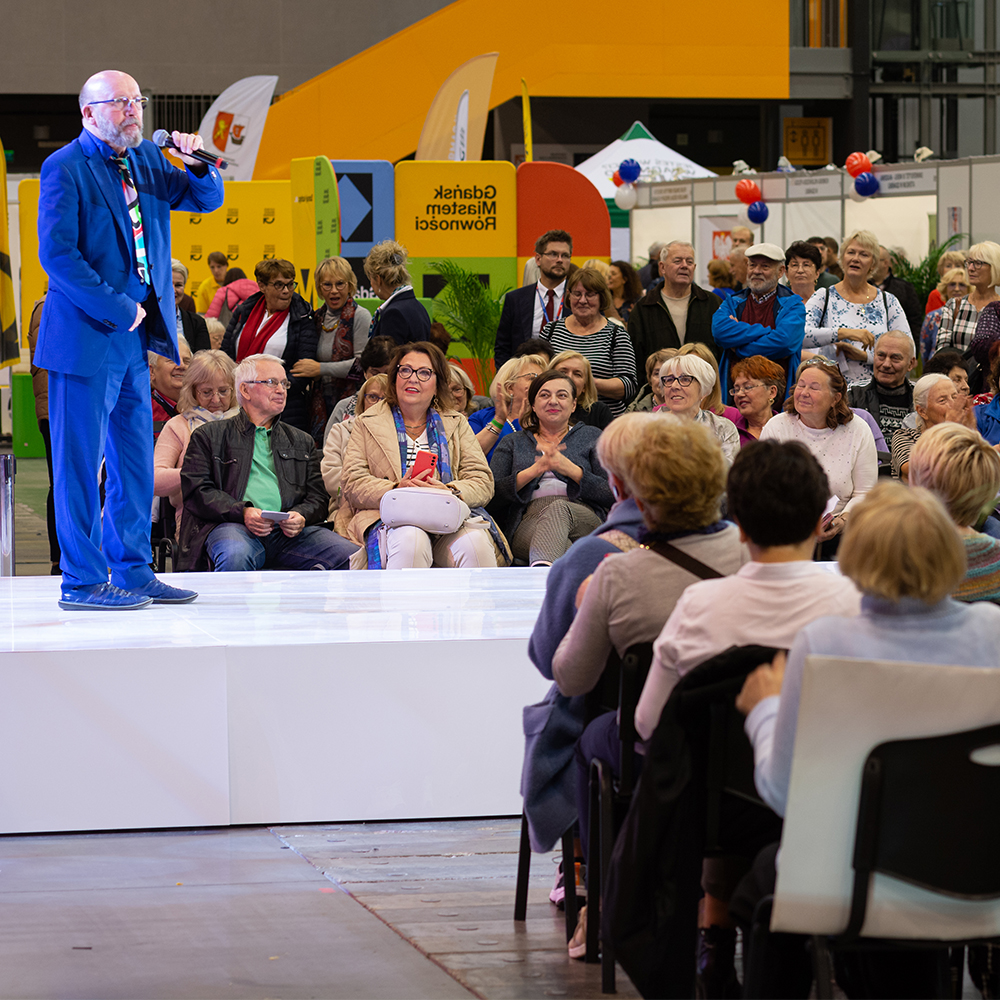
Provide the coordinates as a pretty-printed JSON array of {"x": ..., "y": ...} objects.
[
  {"x": 827, "y": 311},
  {"x": 958, "y": 324}
]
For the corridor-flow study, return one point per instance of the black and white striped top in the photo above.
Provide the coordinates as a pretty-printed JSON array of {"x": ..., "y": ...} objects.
[{"x": 609, "y": 352}]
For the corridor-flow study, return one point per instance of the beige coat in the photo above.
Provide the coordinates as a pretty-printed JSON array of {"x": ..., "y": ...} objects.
[
  {"x": 332, "y": 464},
  {"x": 372, "y": 468}
]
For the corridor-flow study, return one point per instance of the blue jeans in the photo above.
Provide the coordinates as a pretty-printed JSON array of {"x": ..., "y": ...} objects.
[{"x": 233, "y": 549}]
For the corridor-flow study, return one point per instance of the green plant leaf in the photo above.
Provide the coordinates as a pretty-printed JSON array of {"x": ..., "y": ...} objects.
[{"x": 923, "y": 275}]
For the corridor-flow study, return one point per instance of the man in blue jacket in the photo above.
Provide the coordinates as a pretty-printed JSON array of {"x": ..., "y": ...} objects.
[
  {"x": 104, "y": 240},
  {"x": 765, "y": 318}
]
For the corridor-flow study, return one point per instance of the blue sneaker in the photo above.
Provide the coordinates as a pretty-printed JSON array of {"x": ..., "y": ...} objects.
[
  {"x": 101, "y": 597},
  {"x": 162, "y": 593}
]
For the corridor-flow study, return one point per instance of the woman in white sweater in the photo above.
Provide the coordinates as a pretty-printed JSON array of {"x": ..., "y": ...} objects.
[{"x": 817, "y": 414}]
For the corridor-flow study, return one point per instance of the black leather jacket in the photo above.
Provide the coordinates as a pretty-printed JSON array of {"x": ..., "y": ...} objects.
[{"x": 216, "y": 471}]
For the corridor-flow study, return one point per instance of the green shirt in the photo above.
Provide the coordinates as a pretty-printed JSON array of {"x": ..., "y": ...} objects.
[{"x": 263, "y": 490}]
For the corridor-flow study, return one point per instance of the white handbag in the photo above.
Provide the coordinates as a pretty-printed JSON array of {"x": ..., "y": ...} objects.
[{"x": 438, "y": 512}]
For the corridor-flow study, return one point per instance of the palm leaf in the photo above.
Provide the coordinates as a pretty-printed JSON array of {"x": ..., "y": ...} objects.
[
  {"x": 470, "y": 312},
  {"x": 924, "y": 274}
]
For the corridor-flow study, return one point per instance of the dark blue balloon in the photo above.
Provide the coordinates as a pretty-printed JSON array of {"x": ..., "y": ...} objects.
[
  {"x": 866, "y": 184},
  {"x": 757, "y": 212},
  {"x": 629, "y": 170}
]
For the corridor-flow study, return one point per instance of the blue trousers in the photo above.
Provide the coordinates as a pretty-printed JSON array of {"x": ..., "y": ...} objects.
[
  {"x": 104, "y": 416},
  {"x": 233, "y": 549}
]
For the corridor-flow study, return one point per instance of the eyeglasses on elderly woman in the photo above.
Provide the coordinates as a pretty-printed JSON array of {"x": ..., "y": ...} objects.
[{"x": 682, "y": 380}]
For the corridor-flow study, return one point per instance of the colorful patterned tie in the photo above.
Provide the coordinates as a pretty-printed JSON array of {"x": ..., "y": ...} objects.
[{"x": 132, "y": 204}]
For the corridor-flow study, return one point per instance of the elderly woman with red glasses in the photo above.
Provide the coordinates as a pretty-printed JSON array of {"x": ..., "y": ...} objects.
[
  {"x": 279, "y": 322},
  {"x": 817, "y": 414}
]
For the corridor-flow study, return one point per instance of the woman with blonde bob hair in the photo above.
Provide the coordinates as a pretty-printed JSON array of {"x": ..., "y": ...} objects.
[
  {"x": 589, "y": 409},
  {"x": 206, "y": 394},
  {"x": 509, "y": 392},
  {"x": 963, "y": 471},
  {"x": 675, "y": 473},
  {"x": 960, "y": 315},
  {"x": 400, "y": 316},
  {"x": 844, "y": 321}
]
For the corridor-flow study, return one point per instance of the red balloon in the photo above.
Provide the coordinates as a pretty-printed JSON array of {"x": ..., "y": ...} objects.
[
  {"x": 747, "y": 191},
  {"x": 858, "y": 163},
  {"x": 616, "y": 179}
]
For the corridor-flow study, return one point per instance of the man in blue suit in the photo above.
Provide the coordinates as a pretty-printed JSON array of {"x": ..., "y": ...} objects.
[{"x": 104, "y": 240}]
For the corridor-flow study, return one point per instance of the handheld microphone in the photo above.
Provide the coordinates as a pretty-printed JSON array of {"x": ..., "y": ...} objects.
[{"x": 161, "y": 137}]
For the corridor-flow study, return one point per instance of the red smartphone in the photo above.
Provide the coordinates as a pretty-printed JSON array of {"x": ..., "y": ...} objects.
[{"x": 425, "y": 460}]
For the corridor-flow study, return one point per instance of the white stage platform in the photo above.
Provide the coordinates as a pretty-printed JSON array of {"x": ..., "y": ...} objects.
[{"x": 274, "y": 698}]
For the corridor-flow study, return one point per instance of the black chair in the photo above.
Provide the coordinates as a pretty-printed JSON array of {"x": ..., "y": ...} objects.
[
  {"x": 162, "y": 536},
  {"x": 929, "y": 814},
  {"x": 609, "y": 801},
  {"x": 569, "y": 876}
]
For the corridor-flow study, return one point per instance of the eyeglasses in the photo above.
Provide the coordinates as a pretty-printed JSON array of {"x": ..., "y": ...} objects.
[
  {"x": 206, "y": 393},
  {"x": 822, "y": 362},
  {"x": 284, "y": 286},
  {"x": 530, "y": 376},
  {"x": 124, "y": 103},
  {"x": 373, "y": 397},
  {"x": 743, "y": 390},
  {"x": 272, "y": 382},
  {"x": 329, "y": 286},
  {"x": 681, "y": 380},
  {"x": 976, "y": 263},
  {"x": 556, "y": 256},
  {"x": 423, "y": 374},
  {"x": 582, "y": 293}
]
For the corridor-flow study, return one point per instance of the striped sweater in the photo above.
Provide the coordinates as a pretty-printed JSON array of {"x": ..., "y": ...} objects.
[{"x": 982, "y": 579}]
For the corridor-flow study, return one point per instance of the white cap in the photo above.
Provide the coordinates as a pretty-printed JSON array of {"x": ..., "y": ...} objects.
[{"x": 769, "y": 250}]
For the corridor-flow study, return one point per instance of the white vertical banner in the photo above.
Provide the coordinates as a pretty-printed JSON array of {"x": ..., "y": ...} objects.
[
  {"x": 460, "y": 135},
  {"x": 234, "y": 124}
]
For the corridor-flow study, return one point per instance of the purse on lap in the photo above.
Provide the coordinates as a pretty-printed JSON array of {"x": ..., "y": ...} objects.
[{"x": 438, "y": 512}]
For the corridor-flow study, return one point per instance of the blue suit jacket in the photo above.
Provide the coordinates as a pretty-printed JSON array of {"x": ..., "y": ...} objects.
[
  {"x": 87, "y": 249},
  {"x": 516, "y": 319}
]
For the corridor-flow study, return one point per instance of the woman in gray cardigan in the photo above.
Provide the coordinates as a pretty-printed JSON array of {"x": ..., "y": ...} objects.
[{"x": 550, "y": 486}]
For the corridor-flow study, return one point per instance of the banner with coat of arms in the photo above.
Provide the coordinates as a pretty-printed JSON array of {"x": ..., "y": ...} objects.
[{"x": 233, "y": 125}]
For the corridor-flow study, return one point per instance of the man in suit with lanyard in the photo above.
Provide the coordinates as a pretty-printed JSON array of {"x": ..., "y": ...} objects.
[
  {"x": 527, "y": 310},
  {"x": 104, "y": 240}
]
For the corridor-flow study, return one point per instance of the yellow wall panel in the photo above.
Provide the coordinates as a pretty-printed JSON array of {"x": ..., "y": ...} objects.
[{"x": 677, "y": 51}]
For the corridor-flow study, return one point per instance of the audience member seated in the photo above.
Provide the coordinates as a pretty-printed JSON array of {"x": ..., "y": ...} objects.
[
  {"x": 842, "y": 321},
  {"x": 777, "y": 494},
  {"x": 625, "y": 288},
  {"x": 206, "y": 394},
  {"x": 983, "y": 351},
  {"x": 987, "y": 410},
  {"x": 651, "y": 394},
  {"x": 236, "y": 289},
  {"x": 765, "y": 318},
  {"x": 400, "y": 316},
  {"x": 713, "y": 401},
  {"x": 277, "y": 321},
  {"x": 382, "y": 455},
  {"x": 803, "y": 264},
  {"x": 958, "y": 321},
  {"x": 509, "y": 391},
  {"x": 936, "y": 401},
  {"x": 953, "y": 284},
  {"x": 190, "y": 325},
  {"x": 165, "y": 381},
  {"x": 239, "y": 473},
  {"x": 758, "y": 384},
  {"x": 535, "y": 345},
  {"x": 550, "y": 486},
  {"x": 375, "y": 360},
  {"x": 676, "y": 476},
  {"x": 622, "y": 527},
  {"x": 676, "y": 312},
  {"x": 463, "y": 393},
  {"x": 218, "y": 263},
  {"x": 950, "y": 362},
  {"x": 688, "y": 380},
  {"x": 603, "y": 343},
  {"x": 904, "y": 555},
  {"x": 589, "y": 409},
  {"x": 338, "y": 434},
  {"x": 342, "y": 333},
  {"x": 888, "y": 395},
  {"x": 817, "y": 414},
  {"x": 963, "y": 471}
]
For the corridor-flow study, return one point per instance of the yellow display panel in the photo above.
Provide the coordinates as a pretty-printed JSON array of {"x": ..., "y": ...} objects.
[{"x": 34, "y": 280}]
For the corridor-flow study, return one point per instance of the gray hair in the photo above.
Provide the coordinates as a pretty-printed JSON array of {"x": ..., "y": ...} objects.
[
  {"x": 691, "y": 364},
  {"x": 152, "y": 358},
  {"x": 903, "y": 335},
  {"x": 665, "y": 251},
  {"x": 923, "y": 389},
  {"x": 246, "y": 371},
  {"x": 178, "y": 266}
]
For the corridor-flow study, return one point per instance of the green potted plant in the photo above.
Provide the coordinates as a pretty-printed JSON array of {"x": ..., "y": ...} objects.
[
  {"x": 924, "y": 274},
  {"x": 470, "y": 312}
]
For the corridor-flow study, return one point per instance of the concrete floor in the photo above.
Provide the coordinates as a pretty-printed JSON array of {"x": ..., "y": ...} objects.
[{"x": 352, "y": 910}]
